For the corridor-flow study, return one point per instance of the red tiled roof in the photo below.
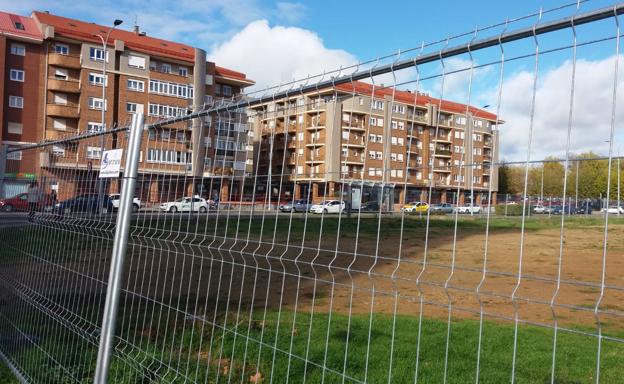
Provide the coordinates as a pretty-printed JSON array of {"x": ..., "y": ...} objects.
[
  {"x": 360, "y": 87},
  {"x": 7, "y": 26},
  {"x": 84, "y": 31},
  {"x": 220, "y": 71}
]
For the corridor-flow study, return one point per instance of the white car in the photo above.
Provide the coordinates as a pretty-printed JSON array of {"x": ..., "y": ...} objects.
[
  {"x": 136, "y": 202},
  {"x": 468, "y": 208},
  {"x": 330, "y": 206},
  {"x": 184, "y": 204},
  {"x": 614, "y": 209},
  {"x": 539, "y": 209}
]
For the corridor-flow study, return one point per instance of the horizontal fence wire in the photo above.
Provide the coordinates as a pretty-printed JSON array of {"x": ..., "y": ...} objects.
[{"x": 360, "y": 226}]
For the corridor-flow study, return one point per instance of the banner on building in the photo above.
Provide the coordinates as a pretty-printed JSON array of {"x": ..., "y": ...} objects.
[{"x": 111, "y": 163}]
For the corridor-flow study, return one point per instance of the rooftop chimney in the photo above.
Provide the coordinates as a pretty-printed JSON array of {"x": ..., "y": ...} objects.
[{"x": 136, "y": 29}]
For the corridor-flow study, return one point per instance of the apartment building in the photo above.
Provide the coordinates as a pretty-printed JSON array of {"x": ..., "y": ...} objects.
[
  {"x": 145, "y": 74},
  {"x": 20, "y": 102},
  {"x": 383, "y": 144}
]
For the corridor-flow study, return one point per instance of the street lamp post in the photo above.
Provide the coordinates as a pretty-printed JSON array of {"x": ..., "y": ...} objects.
[{"x": 104, "y": 40}]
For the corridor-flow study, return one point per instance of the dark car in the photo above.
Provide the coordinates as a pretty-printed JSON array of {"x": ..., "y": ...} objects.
[
  {"x": 558, "y": 210},
  {"x": 20, "y": 203},
  {"x": 84, "y": 203},
  {"x": 370, "y": 206},
  {"x": 584, "y": 209}
]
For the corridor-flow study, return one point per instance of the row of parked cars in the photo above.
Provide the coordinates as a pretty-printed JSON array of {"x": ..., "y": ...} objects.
[
  {"x": 584, "y": 209},
  {"x": 423, "y": 207}
]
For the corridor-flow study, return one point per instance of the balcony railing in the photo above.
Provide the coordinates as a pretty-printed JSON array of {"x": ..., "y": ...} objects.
[
  {"x": 66, "y": 61},
  {"x": 61, "y": 110},
  {"x": 68, "y": 86}
]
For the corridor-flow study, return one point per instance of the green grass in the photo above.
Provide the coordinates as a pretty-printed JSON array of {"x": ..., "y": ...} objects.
[
  {"x": 576, "y": 354},
  {"x": 6, "y": 377}
]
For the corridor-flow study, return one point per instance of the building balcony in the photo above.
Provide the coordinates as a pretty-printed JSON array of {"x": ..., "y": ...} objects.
[
  {"x": 67, "y": 86},
  {"x": 66, "y": 61},
  {"x": 67, "y": 111},
  {"x": 442, "y": 153}
]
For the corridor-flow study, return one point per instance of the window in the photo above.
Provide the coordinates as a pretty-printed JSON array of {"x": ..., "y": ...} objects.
[
  {"x": 94, "y": 152},
  {"x": 371, "y": 171},
  {"x": 61, "y": 49},
  {"x": 19, "y": 26},
  {"x": 14, "y": 155},
  {"x": 372, "y": 121},
  {"x": 18, "y": 49},
  {"x": 226, "y": 90},
  {"x": 60, "y": 98},
  {"x": 96, "y": 79},
  {"x": 165, "y": 110},
  {"x": 398, "y": 108},
  {"x": 459, "y": 135},
  {"x": 16, "y": 102},
  {"x": 379, "y": 139},
  {"x": 136, "y": 62},
  {"x": 372, "y": 138},
  {"x": 393, "y": 156},
  {"x": 96, "y": 103},
  {"x": 183, "y": 71},
  {"x": 165, "y": 67},
  {"x": 380, "y": 122},
  {"x": 97, "y": 54},
  {"x": 152, "y": 65},
  {"x": 131, "y": 107},
  {"x": 377, "y": 104},
  {"x": 371, "y": 154},
  {"x": 400, "y": 141},
  {"x": 400, "y": 157},
  {"x": 345, "y": 152},
  {"x": 181, "y": 137},
  {"x": 60, "y": 124},
  {"x": 394, "y": 124},
  {"x": 171, "y": 89},
  {"x": 58, "y": 150},
  {"x": 419, "y": 160},
  {"x": 393, "y": 140},
  {"x": 461, "y": 120},
  {"x": 60, "y": 74},
  {"x": 300, "y": 152},
  {"x": 476, "y": 179},
  {"x": 300, "y": 169},
  {"x": 93, "y": 127},
  {"x": 345, "y": 135},
  {"x": 166, "y": 135},
  {"x": 300, "y": 136},
  {"x": 17, "y": 75},
  {"x": 379, "y": 155},
  {"x": 136, "y": 85},
  {"x": 15, "y": 128}
]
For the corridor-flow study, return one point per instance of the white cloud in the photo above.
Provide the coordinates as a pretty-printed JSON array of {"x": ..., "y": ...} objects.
[
  {"x": 591, "y": 117},
  {"x": 274, "y": 55}
]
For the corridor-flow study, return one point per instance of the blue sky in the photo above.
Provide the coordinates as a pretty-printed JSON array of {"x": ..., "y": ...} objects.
[{"x": 277, "y": 41}]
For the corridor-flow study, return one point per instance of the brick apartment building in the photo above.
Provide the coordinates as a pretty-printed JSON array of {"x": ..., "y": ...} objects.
[
  {"x": 60, "y": 94},
  {"x": 385, "y": 146}
]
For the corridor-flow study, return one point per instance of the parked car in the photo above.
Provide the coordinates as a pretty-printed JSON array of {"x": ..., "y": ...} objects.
[
  {"x": 330, "y": 206},
  {"x": 415, "y": 206},
  {"x": 539, "y": 208},
  {"x": 115, "y": 199},
  {"x": 614, "y": 209},
  {"x": 584, "y": 209},
  {"x": 20, "y": 203},
  {"x": 558, "y": 210},
  {"x": 84, "y": 203},
  {"x": 298, "y": 206},
  {"x": 370, "y": 206},
  {"x": 184, "y": 204},
  {"x": 468, "y": 208},
  {"x": 442, "y": 208}
]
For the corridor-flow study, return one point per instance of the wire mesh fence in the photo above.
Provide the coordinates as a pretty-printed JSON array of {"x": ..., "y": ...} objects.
[{"x": 356, "y": 226}]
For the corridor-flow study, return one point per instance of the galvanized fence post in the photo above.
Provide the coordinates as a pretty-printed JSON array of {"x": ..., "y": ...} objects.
[
  {"x": 3, "y": 158},
  {"x": 120, "y": 243}
]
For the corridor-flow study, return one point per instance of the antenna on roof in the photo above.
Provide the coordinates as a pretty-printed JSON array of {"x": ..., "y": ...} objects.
[{"x": 136, "y": 25}]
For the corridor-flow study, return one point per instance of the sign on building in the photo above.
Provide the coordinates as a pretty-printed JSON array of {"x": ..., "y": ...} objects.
[{"x": 111, "y": 163}]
